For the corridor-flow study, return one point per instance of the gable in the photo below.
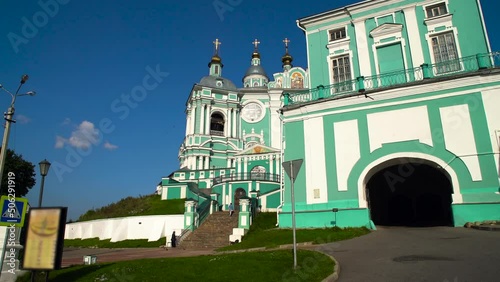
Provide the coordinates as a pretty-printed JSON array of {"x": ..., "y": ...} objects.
[{"x": 257, "y": 149}]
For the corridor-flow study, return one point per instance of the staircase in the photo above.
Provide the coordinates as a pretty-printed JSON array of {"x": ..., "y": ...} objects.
[{"x": 213, "y": 233}]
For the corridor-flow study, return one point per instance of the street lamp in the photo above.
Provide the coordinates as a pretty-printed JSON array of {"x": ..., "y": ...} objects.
[
  {"x": 9, "y": 119},
  {"x": 44, "y": 170}
]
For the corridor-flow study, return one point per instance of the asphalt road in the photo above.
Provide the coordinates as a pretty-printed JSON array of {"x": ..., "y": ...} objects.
[{"x": 440, "y": 254}]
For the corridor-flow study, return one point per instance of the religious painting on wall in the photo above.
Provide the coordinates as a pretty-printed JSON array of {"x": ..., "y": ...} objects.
[{"x": 297, "y": 80}]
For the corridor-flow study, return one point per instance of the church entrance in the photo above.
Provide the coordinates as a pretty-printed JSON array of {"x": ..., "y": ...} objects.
[
  {"x": 240, "y": 192},
  {"x": 410, "y": 194}
]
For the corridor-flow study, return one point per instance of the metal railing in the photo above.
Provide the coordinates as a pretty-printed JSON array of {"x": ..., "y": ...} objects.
[
  {"x": 425, "y": 71},
  {"x": 203, "y": 212},
  {"x": 247, "y": 176}
]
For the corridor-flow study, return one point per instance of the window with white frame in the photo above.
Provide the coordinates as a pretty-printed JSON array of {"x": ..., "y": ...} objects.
[
  {"x": 436, "y": 10},
  {"x": 445, "y": 53},
  {"x": 337, "y": 34},
  {"x": 341, "y": 69}
]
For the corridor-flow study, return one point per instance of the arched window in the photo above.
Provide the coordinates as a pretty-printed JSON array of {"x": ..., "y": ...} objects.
[
  {"x": 217, "y": 124},
  {"x": 258, "y": 172}
]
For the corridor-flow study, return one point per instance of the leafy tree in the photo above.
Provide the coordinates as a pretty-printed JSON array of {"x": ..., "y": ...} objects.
[{"x": 24, "y": 174}]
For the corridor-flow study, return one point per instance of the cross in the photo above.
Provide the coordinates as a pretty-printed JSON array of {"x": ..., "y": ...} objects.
[
  {"x": 286, "y": 41},
  {"x": 256, "y": 43},
  {"x": 217, "y": 43}
]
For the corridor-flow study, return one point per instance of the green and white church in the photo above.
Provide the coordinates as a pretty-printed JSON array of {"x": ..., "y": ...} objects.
[{"x": 395, "y": 118}]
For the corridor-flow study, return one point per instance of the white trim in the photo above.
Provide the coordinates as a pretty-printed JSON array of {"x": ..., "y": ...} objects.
[
  {"x": 314, "y": 159},
  {"x": 262, "y": 107},
  {"x": 459, "y": 137},
  {"x": 331, "y": 57},
  {"x": 417, "y": 53},
  {"x": 429, "y": 35},
  {"x": 347, "y": 150},
  {"x": 369, "y": 171},
  {"x": 363, "y": 50}
]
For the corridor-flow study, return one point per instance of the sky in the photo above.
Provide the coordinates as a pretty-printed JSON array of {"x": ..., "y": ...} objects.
[{"x": 112, "y": 79}]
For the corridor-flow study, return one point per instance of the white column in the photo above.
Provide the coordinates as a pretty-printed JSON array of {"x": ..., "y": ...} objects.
[
  {"x": 417, "y": 55},
  {"x": 188, "y": 122},
  {"x": 245, "y": 163},
  {"x": 207, "y": 123},
  {"x": 228, "y": 163},
  {"x": 235, "y": 125},
  {"x": 229, "y": 123},
  {"x": 271, "y": 164},
  {"x": 207, "y": 160},
  {"x": 363, "y": 50},
  {"x": 238, "y": 160},
  {"x": 202, "y": 118},
  {"x": 193, "y": 118}
]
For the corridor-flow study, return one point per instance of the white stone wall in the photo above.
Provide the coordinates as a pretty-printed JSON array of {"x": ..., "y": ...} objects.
[{"x": 151, "y": 227}]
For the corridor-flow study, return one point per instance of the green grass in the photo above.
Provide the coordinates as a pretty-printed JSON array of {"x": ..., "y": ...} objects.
[
  {"x": 130, "y": 206},
  {"x": 96, "y": 243},
  {"x": 263, "y": 233},
  {"x": 253, "y": 266}
]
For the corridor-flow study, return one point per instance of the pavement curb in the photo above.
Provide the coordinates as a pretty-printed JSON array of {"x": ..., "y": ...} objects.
[
  {"x": 486, "y": 227},
  {"x": 336, "y": 270}
]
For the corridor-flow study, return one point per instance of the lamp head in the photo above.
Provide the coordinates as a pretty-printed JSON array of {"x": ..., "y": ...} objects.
[
  {"x": 44, "y": 167},
  {"x": 31, "y": 93},
  {"x": 24, "y": 78}
]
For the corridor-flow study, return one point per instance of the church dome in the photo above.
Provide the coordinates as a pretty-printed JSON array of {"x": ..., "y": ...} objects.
[
  {"x": 217, "y": 82},
  {"x": 256, "y": 69}
]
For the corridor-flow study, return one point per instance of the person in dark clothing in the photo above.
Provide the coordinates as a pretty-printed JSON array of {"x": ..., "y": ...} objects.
[{"x": 173, "y": 239}]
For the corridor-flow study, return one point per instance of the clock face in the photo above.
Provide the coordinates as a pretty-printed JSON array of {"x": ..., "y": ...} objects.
[{"x": 252, "y": 112}]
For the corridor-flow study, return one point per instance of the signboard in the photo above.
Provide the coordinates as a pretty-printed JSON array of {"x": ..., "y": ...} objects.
[
  {"x": 13, "y": 211},
  {"x": 45, "y": 238},
  {"x": 292, "y": 168}
]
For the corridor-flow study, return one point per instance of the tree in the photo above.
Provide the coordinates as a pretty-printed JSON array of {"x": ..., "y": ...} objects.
[{"x": 24, "y": 174}]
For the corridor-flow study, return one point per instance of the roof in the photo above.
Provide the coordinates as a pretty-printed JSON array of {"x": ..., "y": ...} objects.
[
  {"x": 256, "y": 70},
  {"x": 211, "y": 81}
]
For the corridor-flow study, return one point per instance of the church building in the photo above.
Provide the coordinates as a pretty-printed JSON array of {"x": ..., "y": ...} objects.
[{"x": 394, "y": 120}]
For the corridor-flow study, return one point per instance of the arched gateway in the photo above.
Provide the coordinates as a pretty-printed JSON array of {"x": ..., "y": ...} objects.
[{"x": 409, "y": 191}]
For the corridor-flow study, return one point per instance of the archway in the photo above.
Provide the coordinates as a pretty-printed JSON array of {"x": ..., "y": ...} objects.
[
  {"x": 240, "y": 192},
  {"x": 217, "y": 124},
  {"x": 410, "y": 194}
]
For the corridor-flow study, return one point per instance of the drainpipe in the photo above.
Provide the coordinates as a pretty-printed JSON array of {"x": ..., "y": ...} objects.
[
  {"x": 282, "y": 184},
  {"x": 484, "y": 25}
]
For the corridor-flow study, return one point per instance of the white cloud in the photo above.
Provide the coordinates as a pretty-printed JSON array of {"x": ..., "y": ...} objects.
[
  {"x": 84, "y": 136},
  {"x": 110, "y": 146},
  {"x": 22, "y": 119},
  {"x": 60, "y": 142}
]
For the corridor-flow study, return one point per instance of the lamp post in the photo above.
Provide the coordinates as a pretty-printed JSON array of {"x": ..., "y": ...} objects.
[
  {"x": 44, "y": 170},
  {"x": 9, "y": 119}
]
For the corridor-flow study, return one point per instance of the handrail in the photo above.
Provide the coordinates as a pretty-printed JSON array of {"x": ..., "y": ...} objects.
[
  {"x": 462, "y": 65},
  {"x": 247, "y": 176},
  {"x": 184, "y": 234},
  {"x": 204, "y": 212}
]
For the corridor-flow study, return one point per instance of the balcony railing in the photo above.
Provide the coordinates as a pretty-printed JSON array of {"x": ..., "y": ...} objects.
[
  {"x": 247, "y": 177},
  {"x": 425, "y": 71}
]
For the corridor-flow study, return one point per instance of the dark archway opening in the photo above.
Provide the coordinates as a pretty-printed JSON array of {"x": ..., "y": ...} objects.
[
  {"x": 217, "y": 124},
  {"x": 238, "y": 194},
  {"x": 410, "y": 194}
]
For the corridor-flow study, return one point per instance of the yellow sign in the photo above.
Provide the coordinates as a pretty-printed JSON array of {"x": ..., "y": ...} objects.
[{"x": 41, "y": 250}]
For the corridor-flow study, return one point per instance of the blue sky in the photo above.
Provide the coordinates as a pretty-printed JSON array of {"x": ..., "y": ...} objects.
[{"x": 86, "y": 58}]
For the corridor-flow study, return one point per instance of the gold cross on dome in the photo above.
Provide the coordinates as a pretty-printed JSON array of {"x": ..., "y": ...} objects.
[
  {"x": 256, "y": 43},
  {"x": 217, "y": 43}
]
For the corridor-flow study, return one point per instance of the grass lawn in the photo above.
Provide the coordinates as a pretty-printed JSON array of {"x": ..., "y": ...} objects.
[
  {"x": 263, "y": 233},
  {"x": 253, "y": 266},
  {"x": 130, "y": 206},
  {"x": 96, "y": 243}
]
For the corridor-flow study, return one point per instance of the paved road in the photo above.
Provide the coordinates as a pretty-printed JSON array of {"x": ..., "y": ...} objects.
[{"x": 440, "y": 254}]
